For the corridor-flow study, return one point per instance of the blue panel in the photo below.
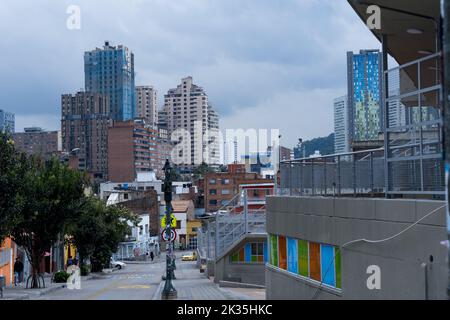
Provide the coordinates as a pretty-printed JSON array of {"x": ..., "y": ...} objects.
[
  {"x": 292, "y": 255},
  {"x": 266, "y": 254},
  {"x": 327, "y": 264},
  {"x": 248, "y": 252}
]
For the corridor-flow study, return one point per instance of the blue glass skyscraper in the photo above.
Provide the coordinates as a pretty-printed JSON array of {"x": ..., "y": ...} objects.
[
  {"x": 364, "y": 95},
  {"x": 110, "y": 72},
  {"x": 7, "y": 121}
]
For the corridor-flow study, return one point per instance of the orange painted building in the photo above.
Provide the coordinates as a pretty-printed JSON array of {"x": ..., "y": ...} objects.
[{"x": 7, "y": 259}]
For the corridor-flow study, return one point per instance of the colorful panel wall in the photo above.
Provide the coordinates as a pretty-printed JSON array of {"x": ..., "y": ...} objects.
[
  {"x": 252, "y": 252},
  {"x": 315, "y": 261}
]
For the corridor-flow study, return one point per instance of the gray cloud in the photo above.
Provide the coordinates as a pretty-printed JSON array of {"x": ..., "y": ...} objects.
[{"x": 252, "y": 56}]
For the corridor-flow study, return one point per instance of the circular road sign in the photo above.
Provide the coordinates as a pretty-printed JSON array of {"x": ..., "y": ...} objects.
[{"x": 173, "y": 235}]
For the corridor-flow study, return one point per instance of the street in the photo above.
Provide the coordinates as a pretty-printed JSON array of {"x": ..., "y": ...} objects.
[
  {"x": 142, "y": 281},
  {"x": 138, "y": 281}
]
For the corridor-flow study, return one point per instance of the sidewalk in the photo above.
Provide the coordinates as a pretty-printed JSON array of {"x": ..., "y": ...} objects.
[
  {"x": 22, "y": 293},
  {"x": 193, "y": 285}
]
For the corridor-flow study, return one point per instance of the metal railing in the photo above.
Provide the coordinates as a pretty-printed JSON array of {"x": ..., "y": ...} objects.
[
  {"x": 228, "y": 227},
  {"x": 411, "y": 161},
  {"x": 353, "y": 173},
  {"x": 414, "y": 138}
]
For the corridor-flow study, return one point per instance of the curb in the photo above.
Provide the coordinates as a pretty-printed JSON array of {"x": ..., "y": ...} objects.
[
  {"x": 31, "y": 293},
  {"x": 157, "y": 294},
  {"x": 231, "y": 284}
]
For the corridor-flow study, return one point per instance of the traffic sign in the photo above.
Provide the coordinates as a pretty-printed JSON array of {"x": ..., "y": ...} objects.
[
  {"x": 173, "y": 221},
  {"x": 173, "y": 235}
]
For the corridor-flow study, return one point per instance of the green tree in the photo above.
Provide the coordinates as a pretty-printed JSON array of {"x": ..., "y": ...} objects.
[
  {"x": 98, "y": 229},
  {"x": 12, "y": 166},
  {"x": 202, "y": 170},
  {"x": 87, "y": 228},
  {"x": 52, "y": 195},
  {"x": 114, "y": 229}
]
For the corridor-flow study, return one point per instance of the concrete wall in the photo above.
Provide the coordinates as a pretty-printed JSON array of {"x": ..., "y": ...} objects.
[
  {"x": 338, "y": 221},
  {"x": 251, "y": 273}
]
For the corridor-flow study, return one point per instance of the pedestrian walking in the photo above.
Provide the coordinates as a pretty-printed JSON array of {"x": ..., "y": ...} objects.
[
  {"x": 151, "y": 255},
  {"x": 18, "y": 270}
]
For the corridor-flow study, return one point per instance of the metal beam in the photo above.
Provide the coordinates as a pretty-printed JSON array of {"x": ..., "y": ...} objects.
[{"x": 446, "y": 55}]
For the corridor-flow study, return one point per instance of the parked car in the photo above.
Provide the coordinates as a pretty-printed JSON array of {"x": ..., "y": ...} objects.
[
  {"x": 117, "y": 264},
  {"x": 189, "y": 257}
]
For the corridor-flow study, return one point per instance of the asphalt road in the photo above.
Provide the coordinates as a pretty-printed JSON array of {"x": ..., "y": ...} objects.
[{"x": 135, "y": 282}]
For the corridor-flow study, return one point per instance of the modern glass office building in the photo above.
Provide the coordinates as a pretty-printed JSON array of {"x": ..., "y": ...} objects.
[
  {"x": 364, "y": 94},
  {"x": 341, "y": 127},
  {"x": 7, "y": 121},
  {"x": 110, "y": 72}
]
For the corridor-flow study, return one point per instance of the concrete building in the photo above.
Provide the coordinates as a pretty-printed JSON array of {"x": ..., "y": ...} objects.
[
  {"x": 132, "y": 148},
  {"x": 144, "y": 182},
  {"x": 183, "y": 211},
  {"x": 84, "y": 131},
  {"x": 163, "y": 121},
  {"x": 7, "y": 121},
  {"x": 364, "y": 79},
  {"x": 39, "y": 142},
  {"x": 341, "y": 125},
  {"x": 147, "y": 104},
  {"x": 110, "y": 71},
  {"x": 193, "y": 122},
  {"x": 330, "y": 237},
  {"x": 163, "y": 150},
  {"x": 145, "y": 204}
]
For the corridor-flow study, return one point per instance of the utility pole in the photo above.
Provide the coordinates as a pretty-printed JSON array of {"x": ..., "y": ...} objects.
[
  {"x": 446, "y": 54},
  {"x": 169, "y": 292}
]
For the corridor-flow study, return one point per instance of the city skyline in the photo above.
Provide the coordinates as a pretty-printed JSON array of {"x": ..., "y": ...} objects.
[{"x": 273, "y": 75}]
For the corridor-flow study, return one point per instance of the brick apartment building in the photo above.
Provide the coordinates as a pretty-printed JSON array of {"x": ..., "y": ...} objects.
[
  {"x": 84, "y": 131},
  {"x": 131, "y": 149},
  {"x": 135, "y": 146},
  {"x": 221, "y": 187},
  {"x": 35, "y": 141}
]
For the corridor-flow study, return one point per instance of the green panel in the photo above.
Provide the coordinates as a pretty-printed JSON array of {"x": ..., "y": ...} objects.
[
  {"x": 303, "y": 258},
  {"x": 337, "y": 253},
  {"x": 274, "y": 250},
  {"x": 235, "y": 257},
  {"x": 254, "y": 259}
]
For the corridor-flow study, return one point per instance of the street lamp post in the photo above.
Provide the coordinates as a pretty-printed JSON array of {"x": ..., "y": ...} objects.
[{"x": 169, "y": 291}]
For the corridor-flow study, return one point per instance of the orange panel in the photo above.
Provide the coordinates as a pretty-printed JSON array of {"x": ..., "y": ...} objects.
[
  {"x": 241, "y": 255},
  {"x": 282, "y": 252},
  {"x": 314, "y": 261}
]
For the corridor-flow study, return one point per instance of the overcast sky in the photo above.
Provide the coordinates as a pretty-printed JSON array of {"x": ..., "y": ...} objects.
[{"x": 264, "y": 64}]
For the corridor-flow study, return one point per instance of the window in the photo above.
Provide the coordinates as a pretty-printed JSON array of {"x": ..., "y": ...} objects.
[
  {"x": 254, "y": 252},
  {"x": 257, "y": 252},
  {"x": 225, "y": 181},
  {"x": 213, "y": 202},
  {"x": 212, "y": 181},
  {"x": 225, "y": 191},
  {"x": 274, "y": 250},
  {"x": 282, "y": 263},
  {"x": 315, "y": 261},
  {"x": 292, "y": 255},
  {"x": 213, "y": 192},
  {"x": 178, "y": 224},
  {"x": 125, "y": 196}
]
